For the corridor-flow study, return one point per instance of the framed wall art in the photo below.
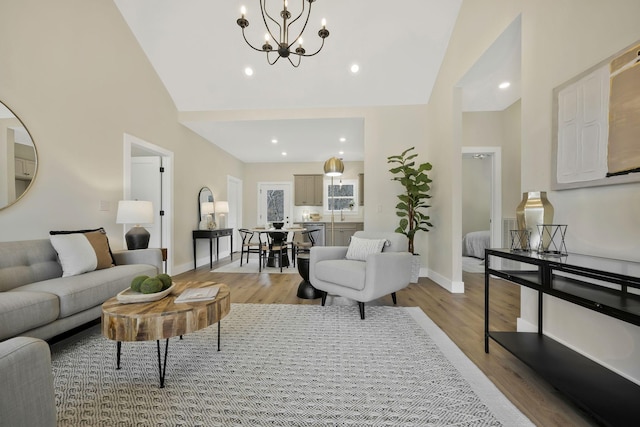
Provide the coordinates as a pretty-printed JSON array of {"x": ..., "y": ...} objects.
[{"x": 596, "y": 124}]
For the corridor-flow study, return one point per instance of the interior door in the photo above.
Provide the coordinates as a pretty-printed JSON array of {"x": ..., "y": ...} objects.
[
  {"x": 146, "y": 184},
  {"x": 274, "y": 203}
]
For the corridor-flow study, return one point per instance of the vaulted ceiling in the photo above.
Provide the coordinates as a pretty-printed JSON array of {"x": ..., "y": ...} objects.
[{"x": 198, "y": 52}]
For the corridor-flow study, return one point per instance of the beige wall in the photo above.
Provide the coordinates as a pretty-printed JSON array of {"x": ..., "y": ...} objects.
[
  {"x": 76, "y": 76},
  {"x": 476, "y": 194},
  {"x": 559, "y": 40}
]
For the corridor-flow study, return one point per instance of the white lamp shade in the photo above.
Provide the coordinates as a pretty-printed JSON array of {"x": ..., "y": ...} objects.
[
  {"x": 206, "y": 208},
  {"x": 222, "y": 207},
  {"x": 134, "y": 212}
]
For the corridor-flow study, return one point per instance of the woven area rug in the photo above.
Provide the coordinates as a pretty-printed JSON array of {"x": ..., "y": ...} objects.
[
  {"x": 252, "y": 267},
  {"x": 283, "y": 365}
]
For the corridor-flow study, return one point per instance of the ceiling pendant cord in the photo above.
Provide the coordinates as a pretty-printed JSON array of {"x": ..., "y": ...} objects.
[{"x": 284, "y": 48}]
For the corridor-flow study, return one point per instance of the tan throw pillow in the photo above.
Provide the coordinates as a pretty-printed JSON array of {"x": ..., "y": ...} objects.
[{"x": 100, "y": 244}]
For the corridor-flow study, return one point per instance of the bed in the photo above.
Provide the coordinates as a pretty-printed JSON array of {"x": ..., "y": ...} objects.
[{"x": 475, "y": 242}]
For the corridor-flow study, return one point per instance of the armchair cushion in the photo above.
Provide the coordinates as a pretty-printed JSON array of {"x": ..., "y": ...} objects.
[
  {"x": 348, "y": 273},
  {"x": 360, "y": 248}
]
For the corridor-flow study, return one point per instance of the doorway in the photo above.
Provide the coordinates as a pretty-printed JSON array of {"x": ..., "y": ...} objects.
[
  {"x": 148, "y": 175},
  {"x": 274, "y": 203}
]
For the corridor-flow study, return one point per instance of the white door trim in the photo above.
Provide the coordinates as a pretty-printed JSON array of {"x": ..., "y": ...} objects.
[{"x": 130, "y": 142}]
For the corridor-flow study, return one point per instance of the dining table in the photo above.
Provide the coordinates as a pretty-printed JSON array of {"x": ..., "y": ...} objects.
[{"x": 278, "y": 237}]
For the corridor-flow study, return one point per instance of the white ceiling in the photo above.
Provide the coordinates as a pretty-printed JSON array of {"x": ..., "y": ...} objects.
[{"x": 198, "y": 51}]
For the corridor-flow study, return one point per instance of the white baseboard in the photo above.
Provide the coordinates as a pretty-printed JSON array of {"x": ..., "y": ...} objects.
[{"x": 451, "y": 286}]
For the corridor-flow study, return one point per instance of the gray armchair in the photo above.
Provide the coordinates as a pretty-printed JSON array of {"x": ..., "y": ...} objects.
[
  {"x": 363, "y": 281},
  {"x": 27, "y": 397}
]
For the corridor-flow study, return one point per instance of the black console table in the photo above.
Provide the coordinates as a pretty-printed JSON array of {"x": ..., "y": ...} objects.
[
  {"x": 610, "y": 287},
  {"x": 212, "y": 235}
]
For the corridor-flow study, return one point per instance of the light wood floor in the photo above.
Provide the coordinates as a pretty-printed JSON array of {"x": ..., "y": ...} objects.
[{"x": 461, "y": 316}]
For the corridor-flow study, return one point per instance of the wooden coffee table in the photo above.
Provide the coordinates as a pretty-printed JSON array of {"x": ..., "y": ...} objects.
[{"x": 163, "y": 319}]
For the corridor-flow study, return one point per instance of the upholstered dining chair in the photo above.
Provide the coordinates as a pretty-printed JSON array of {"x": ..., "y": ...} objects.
[
  {"x": 373, "y": 265},
  {"x": 250, "y": 246}
]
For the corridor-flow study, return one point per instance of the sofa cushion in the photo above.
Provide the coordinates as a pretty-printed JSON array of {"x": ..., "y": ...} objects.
[
  {"x": 345, "y": 272},
  {"x": 360, "y": 248},
  {"x": 79, "y": 293},
  {"x": 27, "y": 261},
  {"x": 22, "y": 311}
]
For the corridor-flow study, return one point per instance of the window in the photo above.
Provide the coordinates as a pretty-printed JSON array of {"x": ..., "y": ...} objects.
[{"x": 345, "y": 195}]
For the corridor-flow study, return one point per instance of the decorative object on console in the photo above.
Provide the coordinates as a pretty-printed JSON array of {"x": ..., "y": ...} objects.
[
  {"x": 284, "y": 42},
  {"x": 520, "y": 240},
  {"x": 222, "y": 208},
  {"x": 207, "y": 210},
  {"x": 135, "y": 212},
  {"x": 534, "y": 209},
  {"x": 552, "y": 239},
  {"x": 333, "y": 167}
]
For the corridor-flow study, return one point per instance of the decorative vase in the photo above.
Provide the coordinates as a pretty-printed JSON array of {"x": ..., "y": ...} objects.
[
  {"x": 415, "y": 268},
  {"x": 534, "y": 209}
]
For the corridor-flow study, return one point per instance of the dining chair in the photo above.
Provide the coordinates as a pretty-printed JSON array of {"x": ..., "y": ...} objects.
[
  {"x": 250, "y": 246},
  {"x": 302, "y": 244},
  {"x": 278, "y": 248}
]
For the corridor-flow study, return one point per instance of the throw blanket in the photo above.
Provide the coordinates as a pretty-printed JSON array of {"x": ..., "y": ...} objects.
[{"x": 474, "y": 243}]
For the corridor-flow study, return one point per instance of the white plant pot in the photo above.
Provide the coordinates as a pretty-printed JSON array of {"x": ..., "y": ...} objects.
[{"x": 415, "y": 268}]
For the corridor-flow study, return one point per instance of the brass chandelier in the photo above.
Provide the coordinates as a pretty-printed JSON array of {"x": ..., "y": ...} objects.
[{"x": 281, "y": 30}]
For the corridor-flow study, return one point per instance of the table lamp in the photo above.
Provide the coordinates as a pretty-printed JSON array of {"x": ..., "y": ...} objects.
[
  {"x": 222, "y": 207},
  {"x": 135, "y": 212}
]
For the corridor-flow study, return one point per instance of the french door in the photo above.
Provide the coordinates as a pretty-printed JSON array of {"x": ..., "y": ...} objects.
[{"x": 274, "y": 203}]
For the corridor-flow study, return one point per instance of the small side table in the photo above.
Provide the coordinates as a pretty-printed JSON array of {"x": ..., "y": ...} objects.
[{"x": 306, "y": 289}]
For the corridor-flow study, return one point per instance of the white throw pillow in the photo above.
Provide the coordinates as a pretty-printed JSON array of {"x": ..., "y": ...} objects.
[
  {"x": 359, "y": 248},
  {"x": 76, "y": 254}
]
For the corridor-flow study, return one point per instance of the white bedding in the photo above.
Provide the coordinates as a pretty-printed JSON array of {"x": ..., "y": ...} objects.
[{"x": 474, "y": 243}]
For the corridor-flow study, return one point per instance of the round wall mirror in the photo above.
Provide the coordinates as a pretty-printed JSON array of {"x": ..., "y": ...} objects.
[
  {"x": 205, "y": 205},
  {"x": 18, "y": 158}
]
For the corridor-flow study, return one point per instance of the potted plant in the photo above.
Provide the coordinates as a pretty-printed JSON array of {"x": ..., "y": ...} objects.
[{"x": 413, "y": 200}]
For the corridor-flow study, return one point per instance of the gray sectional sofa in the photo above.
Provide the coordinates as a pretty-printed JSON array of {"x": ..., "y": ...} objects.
[{"x": 36, "y": 301}]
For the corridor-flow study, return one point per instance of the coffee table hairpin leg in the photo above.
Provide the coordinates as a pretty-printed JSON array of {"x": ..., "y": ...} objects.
[{"x": 162, "y": 365}]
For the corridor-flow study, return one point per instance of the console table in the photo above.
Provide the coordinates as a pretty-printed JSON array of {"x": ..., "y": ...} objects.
[
  {"x": 212, "y": 235},
  {"x": 607, "y": 286}
]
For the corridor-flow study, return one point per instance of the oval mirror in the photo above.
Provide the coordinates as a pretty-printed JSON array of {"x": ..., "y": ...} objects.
[
  {"x": 18, "y": 158},
  {"x": 205, "y": 203}
]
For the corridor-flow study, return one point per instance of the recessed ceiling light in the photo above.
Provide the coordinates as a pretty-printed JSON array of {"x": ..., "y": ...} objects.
[
  {"x": 355, "y": 68},
  {"x": 248, "y": 71},
  {"x": 341, "y": 152},
  {"x": 504, "y": 85},
  {"x": 343, "y": 139},
  {"x": 284, "y": 153},
  {"x": 274, "y": 141}
]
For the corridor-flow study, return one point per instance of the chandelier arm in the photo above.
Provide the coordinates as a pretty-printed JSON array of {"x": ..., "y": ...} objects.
[
  {"x": 269, "y": 61},
  {"x": 250, "y": 45},
  {"x": 306, "y": 21},
  {"x": 294, "y": 65},
  {"x": 301, "y": 12},
  {"x": 263, "y": 10},
  {"x": 314, "y": 53}
]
